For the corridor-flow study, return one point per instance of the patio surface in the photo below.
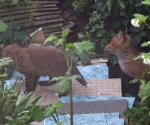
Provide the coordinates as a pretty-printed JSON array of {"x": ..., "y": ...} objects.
[{"x": 103, "y": 87}]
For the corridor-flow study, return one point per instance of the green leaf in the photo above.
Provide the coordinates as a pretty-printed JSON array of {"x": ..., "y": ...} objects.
[
  {"x": 145, "y": 44},
  {"x": 137, "y": 29},
  {"x": 58, "y": 104},
  {"x": 23, "y": 102},
  {"x": 73, "y": 77},
  {"x": 109, "y": 4},
  {"x": 20, "y": 35},
  {"x": 69, "y": 45},
  {"x": 15, "y": 26},
  {"x": 38, "y": 114},
  {"x": 49, "y": 111},
  {"x": 116, "y": 23},
  {"x": 65, "y": 32},
  {"x": 14, "y": 1},
  {"x": 6, "y": 35},
  {"x": 133, "y": 81},
  {"x": 85, "y": 58},
  {"x": 113, "y": 59},
  {"x": 60, "y": 123},
  {"x": 8, "y": 118},
  {"x": 51, "y": 38},
  {"x": 143, "y": 33},
  {"x": 136, "y": 40},
  {"x": 147, "y": 2},
  {"x": 121, "y": 3},
  {"x": 57, "y": 78},
  {"x": 141, "y": 17},
  {"x": 80, "y": 35},
  {"x": 36, "y": 100},
  {"x": 63, "y": 85},
  {"x": 59, "y": 42},
  {"x": 144, "y": 92},
  {"x": 76, "y": 58},
  {"x": 127, "y": 112},
  {"x": 125, "y": 21},
  {"x": 2, "y": 1},
  {"x": 3, "y": 26},
  {"x": 79, "y": 47}
]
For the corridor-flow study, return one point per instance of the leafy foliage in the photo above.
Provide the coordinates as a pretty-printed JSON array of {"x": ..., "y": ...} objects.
[
  {"x": 3, "y": 26},
  {"x": 79, "y": 50},
  {"x": 138, "y": 115},
  {"x": 12, "y": 111},
  {"x": 107, "y": 17},
  {"x": 64, "y": 82},
  {"x": 12, "y": 34},
  {"x": 141, "y": 115},
  {"x": 15, "y": 32},
  {"x": 79, "y": 5},
  {"x": 22, "y": 111}
]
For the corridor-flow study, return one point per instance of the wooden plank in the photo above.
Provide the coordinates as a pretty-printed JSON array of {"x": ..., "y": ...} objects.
[
  {"x": 46, "y": 27},
  {"x": 55, "y": 33},
  {"x": 38, "y": 7},
  {"x": 29, "y": 9},
  {"x": 51, "y": 30},
  {"x": 48, "y": 21},
  {"x": 33, "y": 1},
  {"x": 47, "y": 15},
  {"x": 21, "y": 5},
  {"x": 39, "y": 22},
  {"x": 22, "y": 17},
  {"x": 53, "y": 26}
]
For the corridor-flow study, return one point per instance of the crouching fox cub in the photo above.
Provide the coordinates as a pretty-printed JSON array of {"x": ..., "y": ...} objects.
[
  {"x": 39, "y": 61},
  {"x": 121, "y": 45}
]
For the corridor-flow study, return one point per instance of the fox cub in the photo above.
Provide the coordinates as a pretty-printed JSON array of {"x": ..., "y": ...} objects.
[
  {"x": 121, "y": 45},
  {"x": 39, "y": 61}
]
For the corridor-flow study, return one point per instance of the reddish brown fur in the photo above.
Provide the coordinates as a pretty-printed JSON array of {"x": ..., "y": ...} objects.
[
  {"x": 121, "y": 45},
  {"x": 38, "y": 61}
]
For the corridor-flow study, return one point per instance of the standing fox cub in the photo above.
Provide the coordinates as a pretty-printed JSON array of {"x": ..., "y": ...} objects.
[
  {"x": 121, "y": 45},
  {"x": 39, "y": 61}
]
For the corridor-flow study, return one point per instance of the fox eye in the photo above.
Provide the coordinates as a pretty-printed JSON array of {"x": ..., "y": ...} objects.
[{"x": 112, "y": 44}]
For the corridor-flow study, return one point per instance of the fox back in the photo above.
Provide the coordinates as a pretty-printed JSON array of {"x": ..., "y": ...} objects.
[
  {"x": 122, "y": 46},
  {"x": 39, "y": 61}
]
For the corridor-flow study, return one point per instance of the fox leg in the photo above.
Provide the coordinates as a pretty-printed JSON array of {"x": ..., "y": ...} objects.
[
  {"x": 35, "y": 82},
  {"x": 47, "y": 83},
  {"x": 30, "y": 82}
]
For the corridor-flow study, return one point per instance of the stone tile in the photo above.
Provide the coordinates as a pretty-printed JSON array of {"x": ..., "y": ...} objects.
[
  {"x": 107, "y": 106},
  {"x": 103, "y": 87}
]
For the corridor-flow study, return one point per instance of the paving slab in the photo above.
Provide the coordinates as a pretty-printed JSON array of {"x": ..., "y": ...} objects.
[
  {"x": 102, "y": 87},
  {"x": 107, "y": 106}
]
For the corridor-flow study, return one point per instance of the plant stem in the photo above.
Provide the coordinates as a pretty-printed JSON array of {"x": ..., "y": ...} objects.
[
  {"x": 147, "y": 25},
  {"x": 71, "y": 103},
  {"x": 70, "y": 89},
  {"x": 1, "y": 100},
  {"x": 1, "y": 120},
  {"x": 54, "y": 118}
]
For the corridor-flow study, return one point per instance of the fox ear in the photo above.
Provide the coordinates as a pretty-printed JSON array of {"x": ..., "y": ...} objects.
[{"x": 120, "y": 36}]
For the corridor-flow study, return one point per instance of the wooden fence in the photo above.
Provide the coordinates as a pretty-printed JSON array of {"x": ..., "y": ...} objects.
[{"x": 47, "y": 15}]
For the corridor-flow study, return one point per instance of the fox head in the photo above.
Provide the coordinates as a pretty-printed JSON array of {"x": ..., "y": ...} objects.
[{"x": 119, "y": 43}]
